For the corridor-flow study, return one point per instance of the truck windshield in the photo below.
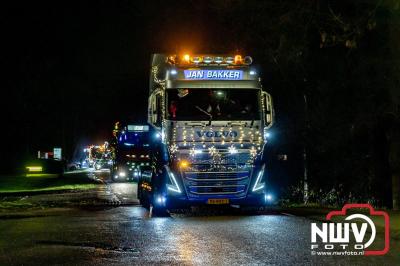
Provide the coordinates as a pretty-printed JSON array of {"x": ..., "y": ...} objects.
[
  {"x": 213, "y": 104},
  {"x": 134, "y": 139}
]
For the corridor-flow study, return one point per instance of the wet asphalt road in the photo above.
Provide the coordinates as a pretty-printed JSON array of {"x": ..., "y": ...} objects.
[
  {"x": 123, "y": 193},
  {"x": 128, "y": 235}
]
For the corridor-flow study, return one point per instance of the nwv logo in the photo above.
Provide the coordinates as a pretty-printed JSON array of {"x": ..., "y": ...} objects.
[
  {"x": 350, "y": 234},
  {"x": 340, "y": 232},
  {"x": 216, "y": 134}
]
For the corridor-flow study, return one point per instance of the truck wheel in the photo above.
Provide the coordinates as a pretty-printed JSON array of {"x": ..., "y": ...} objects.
[
  {"x": 112, "y": 175},
  {"x": 145, "y": 203},
  {"x": 159, "y": 211},
  {"x": 143, "y": 198}
]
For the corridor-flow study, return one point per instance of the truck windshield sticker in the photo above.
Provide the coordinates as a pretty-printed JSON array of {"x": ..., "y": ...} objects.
[{"x": 214, "y": 74}]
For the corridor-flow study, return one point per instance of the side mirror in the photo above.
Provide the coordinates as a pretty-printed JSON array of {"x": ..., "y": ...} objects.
[
  {"x": 154, "y": 117},
  {"x": 268, "y": 109},
  {"x": 150, "y": 110}
]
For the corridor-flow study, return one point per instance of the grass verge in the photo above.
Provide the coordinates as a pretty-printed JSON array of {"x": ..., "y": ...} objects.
[{"x": 45, "y": 182}]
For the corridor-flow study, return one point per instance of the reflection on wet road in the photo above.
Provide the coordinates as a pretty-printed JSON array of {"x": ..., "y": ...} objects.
[
  {"x": 128, "y": 236},
  {"x": 115, "y": 193}
]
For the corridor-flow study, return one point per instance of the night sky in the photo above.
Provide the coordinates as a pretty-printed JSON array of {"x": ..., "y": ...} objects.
[{"x": 78, "y": 68}]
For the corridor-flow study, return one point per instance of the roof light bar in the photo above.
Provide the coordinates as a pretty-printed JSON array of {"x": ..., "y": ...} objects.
[
  {"x": 229, "y": 59},
  {"x": 208, "y": 59},
  {"x": 218, "y": 59}
]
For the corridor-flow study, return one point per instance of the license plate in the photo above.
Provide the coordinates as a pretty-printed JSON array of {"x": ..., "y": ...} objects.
[{"x": 218, "y": 201}]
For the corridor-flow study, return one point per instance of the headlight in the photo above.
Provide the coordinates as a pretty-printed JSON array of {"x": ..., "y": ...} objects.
[
  {"x": 260, "y": 183},
  {"x": 122, "y": 174}
]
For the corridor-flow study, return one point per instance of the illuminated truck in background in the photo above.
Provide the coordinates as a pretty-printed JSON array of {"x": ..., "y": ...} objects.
[
  {"x": 212, "y": 116},
  {"x": 99, "y": 156},
  {"x": 131, "y": 152}
]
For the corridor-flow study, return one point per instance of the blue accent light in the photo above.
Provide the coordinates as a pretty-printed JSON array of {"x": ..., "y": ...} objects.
[
  {"x": 258, "y": 184},
  {"x": 174, "y": 187}
]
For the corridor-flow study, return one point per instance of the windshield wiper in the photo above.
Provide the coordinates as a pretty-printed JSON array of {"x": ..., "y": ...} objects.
[{"x": 205, "y": 112}]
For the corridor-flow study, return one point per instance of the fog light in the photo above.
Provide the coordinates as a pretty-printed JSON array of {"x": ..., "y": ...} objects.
[
  {"x": 161, "y": 200},
  {"x": 268, "y": 197}
]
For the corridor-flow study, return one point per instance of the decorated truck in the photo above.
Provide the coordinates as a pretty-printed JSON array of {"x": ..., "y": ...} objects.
[
  {"x": 131, "y": 152},
  {"x": 212, "y": 117}
]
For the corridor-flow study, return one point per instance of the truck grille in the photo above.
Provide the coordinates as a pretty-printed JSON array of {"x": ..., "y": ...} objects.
[{"x": 232, "y": 184}]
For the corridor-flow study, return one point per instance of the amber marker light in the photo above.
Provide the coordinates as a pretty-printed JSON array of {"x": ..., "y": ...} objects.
[
  {"x": 238, "y": 59},
  {"x": 183, "y": 164},
  {"x": 186, "y": 58}
]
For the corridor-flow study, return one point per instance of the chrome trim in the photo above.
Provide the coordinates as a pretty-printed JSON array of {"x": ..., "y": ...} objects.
[
  {"x": 203, "y": 183},
  {"x": 216, "y": 193},
  {"x": 233, "y": 172},
  {"x": 220, "y": 186},
  {"x": 221, "y": 179},
  {"x": 213, "y": 84}
]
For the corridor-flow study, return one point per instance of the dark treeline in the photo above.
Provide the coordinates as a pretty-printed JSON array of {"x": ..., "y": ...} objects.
[{"x": 331, "y": 66}]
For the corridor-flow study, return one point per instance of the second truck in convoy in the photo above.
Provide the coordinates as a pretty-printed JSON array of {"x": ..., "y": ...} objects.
[
  {"x": 212, "y": 117},
  {"x": 131, "y": 152}
]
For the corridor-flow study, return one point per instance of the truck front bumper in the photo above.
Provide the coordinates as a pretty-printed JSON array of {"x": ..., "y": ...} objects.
[{"x": 251, "y": 200}]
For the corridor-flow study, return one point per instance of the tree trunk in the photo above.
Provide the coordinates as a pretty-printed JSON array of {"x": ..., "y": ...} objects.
[
  {"x": 394, "y": 161},
  {"x": 396, "y": 191}
]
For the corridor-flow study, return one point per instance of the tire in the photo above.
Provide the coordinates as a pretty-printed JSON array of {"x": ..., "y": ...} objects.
[
  {"x": 159, "y": 212},
  {"x": 144, "y": 199},
  {"x": 112, "y": 173}
]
